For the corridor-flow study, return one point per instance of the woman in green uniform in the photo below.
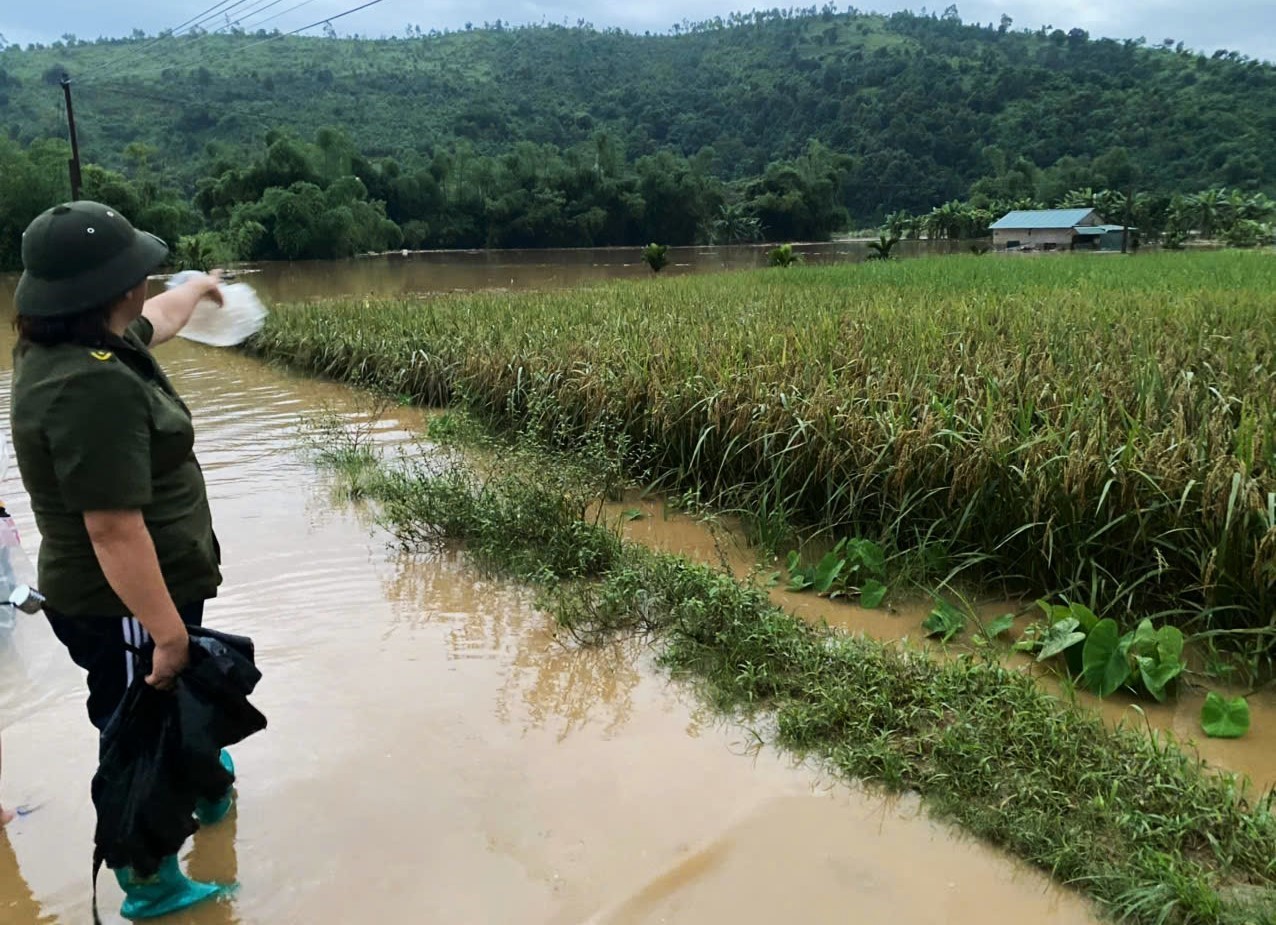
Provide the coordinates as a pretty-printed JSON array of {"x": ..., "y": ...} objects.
[{"x": 105, "y": 448}]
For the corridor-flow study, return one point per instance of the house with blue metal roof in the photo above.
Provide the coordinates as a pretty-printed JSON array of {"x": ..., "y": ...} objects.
[{"x": 1055, "y": 229}]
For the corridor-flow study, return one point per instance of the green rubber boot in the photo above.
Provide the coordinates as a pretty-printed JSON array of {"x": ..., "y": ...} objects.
[
  {"x": 213, "y": 812},
  {"x": 168, "y": 891}
]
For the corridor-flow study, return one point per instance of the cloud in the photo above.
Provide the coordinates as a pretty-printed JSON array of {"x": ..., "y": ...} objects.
[{"x": 1247, "y": 26}]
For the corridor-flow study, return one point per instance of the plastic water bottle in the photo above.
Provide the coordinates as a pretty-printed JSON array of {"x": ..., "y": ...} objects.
[{"x": 17, "y": 575}]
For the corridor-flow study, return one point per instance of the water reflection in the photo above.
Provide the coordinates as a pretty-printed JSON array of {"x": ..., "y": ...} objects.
[
  {"x": 545, "y": 682},
  {"x": 16, "y": 900}
]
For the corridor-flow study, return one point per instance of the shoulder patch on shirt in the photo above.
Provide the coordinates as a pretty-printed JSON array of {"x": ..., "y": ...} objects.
[{"x": 102, "y": 355}]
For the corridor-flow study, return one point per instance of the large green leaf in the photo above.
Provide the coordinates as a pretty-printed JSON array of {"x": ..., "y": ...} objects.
[
  {"x": 998, "y": 626},
  {"x": 1060, "y": 636},
  {"x": 799, "y": 578},
  {"x": 867, "y": 556},
  {"x": 1084, "y": 616},
  {"x": 827, "y": 571},
  {"x": 872, "y": 592},
  {"x": 945, "y": 620},
  {"x": 1144, "y": 642},
  {"x": 1159, "y": 656},
  {"x": 1224, "y": 719},
  {"x": 1169, "y": 644},
  {"x": 1157, "y": 675},
  {"x": 1105, "y": 665}
]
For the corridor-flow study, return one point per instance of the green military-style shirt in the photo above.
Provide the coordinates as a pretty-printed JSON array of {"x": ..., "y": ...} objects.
[{"x": 103, "y": 429}]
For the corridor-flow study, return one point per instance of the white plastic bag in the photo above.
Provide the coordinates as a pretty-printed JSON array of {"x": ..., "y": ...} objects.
[{"x": 240, "y": 316}]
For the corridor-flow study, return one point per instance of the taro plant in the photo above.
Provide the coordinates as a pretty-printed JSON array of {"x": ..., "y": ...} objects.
[
  {"x": 945, "y": 621},
  {"x": 1146, "y": 658},
  {"x": 853, "y": 566},
  {"x": 1224, "y": 718}
]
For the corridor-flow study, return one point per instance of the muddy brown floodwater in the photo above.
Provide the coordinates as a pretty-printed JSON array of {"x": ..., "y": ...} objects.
[
  {"x": 399, "y": 275},
  {"x": 719, "y": 541},
  {"x": 436, "y": 756}
]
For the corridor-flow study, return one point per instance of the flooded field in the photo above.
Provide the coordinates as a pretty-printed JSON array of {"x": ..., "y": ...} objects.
[
  {"x": 394, "y": 275},
  {"x": 435, "y": 755},
  {"x": 720, "y": 542}
]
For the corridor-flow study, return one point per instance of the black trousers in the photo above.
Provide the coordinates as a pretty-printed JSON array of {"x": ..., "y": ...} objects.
[{"x": 104, "y": 647}]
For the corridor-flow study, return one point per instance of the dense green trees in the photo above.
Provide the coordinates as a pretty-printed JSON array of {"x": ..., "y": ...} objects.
[
  {"x": 294, "y": 200},
  {"x": 922, "y": 105},
  {"x": 778, "y": 124}
]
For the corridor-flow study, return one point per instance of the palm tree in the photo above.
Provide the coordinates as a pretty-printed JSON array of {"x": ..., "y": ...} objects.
[
  {"x": 734, "y": 224},
  {"x": 1178, "y": 220},
  {"x": 1110, "y": 204},
  {"x": 900, "y": 223},
  {"x": 656, "y": 256},
  {"x": 1259, "y": 208},
  {"x": 881, "y": 248},
  {"x": 1082, "y": 198},
  {"x": 1232, "y": 208},
  {"x": 944, "y": 221},
  {"x": 1206, "y": 207}
]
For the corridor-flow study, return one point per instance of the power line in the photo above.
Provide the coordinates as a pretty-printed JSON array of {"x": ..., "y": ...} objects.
[
  {"x": 218, "y": 14},
  {"x": 326, "y": 19},
  {"x": 274, "y": 16},
  {"x": 262, "y": 5},
  {"x": 165, "y": 34},
  {"x": 188, "y": 28},
  {"x": 198, "y": 17}
]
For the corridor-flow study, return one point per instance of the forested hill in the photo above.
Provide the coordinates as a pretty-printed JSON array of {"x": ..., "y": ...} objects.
[{"x": 923, "y": 105}]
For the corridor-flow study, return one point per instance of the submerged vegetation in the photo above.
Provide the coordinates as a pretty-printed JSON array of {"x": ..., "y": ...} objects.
[
  {"x": 1101, "y": 430},
  {"x": 1129, "y": 820}
]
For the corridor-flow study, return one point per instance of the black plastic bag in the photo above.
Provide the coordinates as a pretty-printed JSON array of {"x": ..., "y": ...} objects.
[{"x": 160, "y": 752}]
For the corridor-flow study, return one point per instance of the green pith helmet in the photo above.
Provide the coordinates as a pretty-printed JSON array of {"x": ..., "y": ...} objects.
[{"x": 79, "y": 255}]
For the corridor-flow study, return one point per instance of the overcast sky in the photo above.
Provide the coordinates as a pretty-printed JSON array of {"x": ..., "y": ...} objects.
[{"x": 1247, "y": 26}]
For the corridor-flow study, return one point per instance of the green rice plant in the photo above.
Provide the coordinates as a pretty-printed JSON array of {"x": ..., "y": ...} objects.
[{"x": 1103, "y": 430}]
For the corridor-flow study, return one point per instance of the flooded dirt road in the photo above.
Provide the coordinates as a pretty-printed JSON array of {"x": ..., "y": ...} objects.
[{"x": 436, "y": 756}]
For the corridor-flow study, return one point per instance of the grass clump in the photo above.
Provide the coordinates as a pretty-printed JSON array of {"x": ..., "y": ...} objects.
[
  {"x": 1131, "y": 821},
  {"x": 1099, "y": 429}
]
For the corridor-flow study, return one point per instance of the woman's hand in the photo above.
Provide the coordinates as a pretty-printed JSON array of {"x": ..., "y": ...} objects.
[
  {"x": 124, "y": 548},
  {"x": 206, "y": 286},
  {"x": 169, "y": 311},
  {"x": 169, "y": 660}
]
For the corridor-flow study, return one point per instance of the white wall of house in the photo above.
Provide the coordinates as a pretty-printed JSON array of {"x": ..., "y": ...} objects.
[{"x": 1038, "y": 238}]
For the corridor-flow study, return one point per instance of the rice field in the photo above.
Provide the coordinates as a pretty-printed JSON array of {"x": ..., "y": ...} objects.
[{"x": 1098, "y": 427}]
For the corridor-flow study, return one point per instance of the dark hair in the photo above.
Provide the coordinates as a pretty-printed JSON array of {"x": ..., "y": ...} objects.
[{"x": 88, "y": 328}]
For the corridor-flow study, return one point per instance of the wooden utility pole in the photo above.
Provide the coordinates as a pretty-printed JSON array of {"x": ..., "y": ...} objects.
[
  {"x": 1125, "y": 227},
  {"x": 74, "y": 163}
]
